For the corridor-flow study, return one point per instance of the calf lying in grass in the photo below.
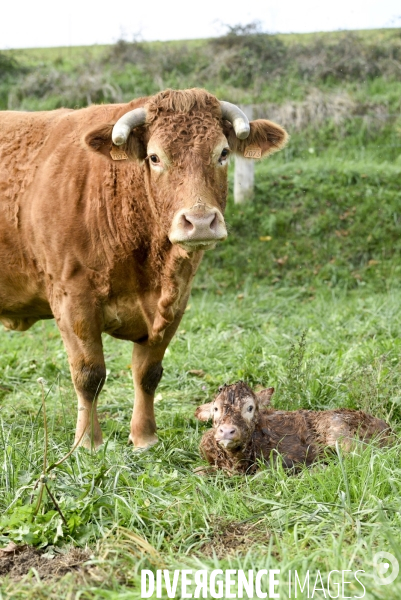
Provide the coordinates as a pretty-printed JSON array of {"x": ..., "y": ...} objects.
[{"x": 245, "y": 430}]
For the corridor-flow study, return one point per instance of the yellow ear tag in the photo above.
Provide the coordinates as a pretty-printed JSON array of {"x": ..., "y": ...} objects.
[
  {"x": 253, "y": 152},
  {"x": 118, "y": 154}
]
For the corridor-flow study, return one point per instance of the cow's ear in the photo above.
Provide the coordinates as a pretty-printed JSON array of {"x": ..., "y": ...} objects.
[
  {"x": 99, "y": 140},
  {"x": 265, "y": 138},
  {"x": 204, "y": 412},
  {"x": 264, "y": 396}
]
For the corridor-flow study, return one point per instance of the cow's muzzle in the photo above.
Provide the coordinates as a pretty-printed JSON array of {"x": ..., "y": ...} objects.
[{"x": 198, "y": 228}]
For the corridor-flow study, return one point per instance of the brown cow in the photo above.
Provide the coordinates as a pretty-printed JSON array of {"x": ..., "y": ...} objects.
[
  {"x": 104, "y": 216},
  {"x": 245, "y": 430}
]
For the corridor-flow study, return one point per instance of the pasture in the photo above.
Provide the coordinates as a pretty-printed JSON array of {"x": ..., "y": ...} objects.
[
  {"x": 286, "y": 301},
  {"x": 304, "y": 296}
]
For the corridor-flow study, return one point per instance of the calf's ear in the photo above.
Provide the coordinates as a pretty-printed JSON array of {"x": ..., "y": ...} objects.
[
  {"x": 264, "y": 396},
  {"x": 264, "y": 138},
  {"x": 204, "y": 412},
  {"x": 99, "y": 140}
]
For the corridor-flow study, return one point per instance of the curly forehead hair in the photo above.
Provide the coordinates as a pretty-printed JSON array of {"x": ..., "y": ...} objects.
[
  {"x": 184, "y": 120},
  {"x": 182, "y": 101},
  {"x": 235, "y": 391}
]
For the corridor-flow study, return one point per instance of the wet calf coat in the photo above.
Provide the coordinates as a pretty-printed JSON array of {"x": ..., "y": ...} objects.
[{"x": 246, "y": 430}]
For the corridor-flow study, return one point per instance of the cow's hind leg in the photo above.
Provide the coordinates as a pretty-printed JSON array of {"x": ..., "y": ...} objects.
[
  {"x": 81, "y": 332},
  {"x": 147, "y": 371}
]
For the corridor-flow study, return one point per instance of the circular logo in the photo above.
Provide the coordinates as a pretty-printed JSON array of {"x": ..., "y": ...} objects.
[{"x": 386, "y": 568}]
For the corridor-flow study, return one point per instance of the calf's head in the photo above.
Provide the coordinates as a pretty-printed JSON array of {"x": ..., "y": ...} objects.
[
  {"x": 184, "y": 139},
  {"x": 235, "y": 413}
]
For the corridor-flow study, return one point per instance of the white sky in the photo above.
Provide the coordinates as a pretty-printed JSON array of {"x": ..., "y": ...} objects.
[{"x": 39, "y": 23}]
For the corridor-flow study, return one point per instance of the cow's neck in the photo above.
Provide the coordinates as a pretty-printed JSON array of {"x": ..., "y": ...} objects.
[
  {"x": 175, "y": 284},
  {"x": 240, "y": 460}
]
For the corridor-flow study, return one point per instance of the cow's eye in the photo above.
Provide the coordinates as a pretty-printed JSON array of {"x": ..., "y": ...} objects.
[
  {"x": 224, "y": 153},
  {"x": 250, "y": 408},
  {"x": 155, "y": 159},
  {"x": 215, "y": 409}
]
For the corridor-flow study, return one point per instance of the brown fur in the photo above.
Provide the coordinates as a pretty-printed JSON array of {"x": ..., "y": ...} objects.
[
  {"x": 84, "y": 238},
  {"x": 300, "y": 436}
]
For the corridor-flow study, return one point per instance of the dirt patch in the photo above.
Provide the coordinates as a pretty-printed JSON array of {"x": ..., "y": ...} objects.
[
  {"x": 17, "y": 561},
  {"x": 236, "y": 538}
]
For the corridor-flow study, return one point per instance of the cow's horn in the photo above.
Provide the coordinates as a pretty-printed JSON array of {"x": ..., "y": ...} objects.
[
  {"x": 239, "y": 120},
  {"x": 126, "y": 124}
]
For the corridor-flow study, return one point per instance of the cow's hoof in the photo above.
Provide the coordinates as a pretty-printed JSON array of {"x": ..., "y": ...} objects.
[
  {"x": 87, "y": 442},
  {"x": 141, "y": 444},
  {"x": 89, "y": 446}
]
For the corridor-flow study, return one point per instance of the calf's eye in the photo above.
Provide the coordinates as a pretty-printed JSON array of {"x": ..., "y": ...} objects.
[
  {"x": 154, "y": 158},
  {"x": 215, "y": 409},
  {"x": 250, "y": 408}
]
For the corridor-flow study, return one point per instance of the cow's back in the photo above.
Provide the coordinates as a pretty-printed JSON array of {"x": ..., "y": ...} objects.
[{"x": 22, "y": 139}]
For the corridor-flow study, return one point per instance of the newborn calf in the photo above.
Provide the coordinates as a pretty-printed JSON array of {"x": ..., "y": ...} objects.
[{"x": 244, "y": 430}]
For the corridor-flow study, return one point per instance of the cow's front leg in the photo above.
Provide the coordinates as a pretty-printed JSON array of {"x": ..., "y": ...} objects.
[
  {"x": 81, "y": 332},
  {"x": 147, "y": 371}
]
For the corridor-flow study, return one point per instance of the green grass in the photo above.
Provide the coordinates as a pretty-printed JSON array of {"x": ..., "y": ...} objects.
[
  {"x": 314, "y": 221},
  {"x": 323, "y": 326}
]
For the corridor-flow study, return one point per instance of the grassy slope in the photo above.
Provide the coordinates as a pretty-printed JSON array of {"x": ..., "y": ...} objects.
[
  {"x": 54, "y": 77},
  {"x": 313, "y": 311},
  {"x": 81, "y": 54}
]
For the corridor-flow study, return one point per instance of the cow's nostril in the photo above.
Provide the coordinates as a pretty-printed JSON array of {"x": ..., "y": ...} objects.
[
  {"x": 214, "y": 223},
  {"x": 186, "y": 224}
]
